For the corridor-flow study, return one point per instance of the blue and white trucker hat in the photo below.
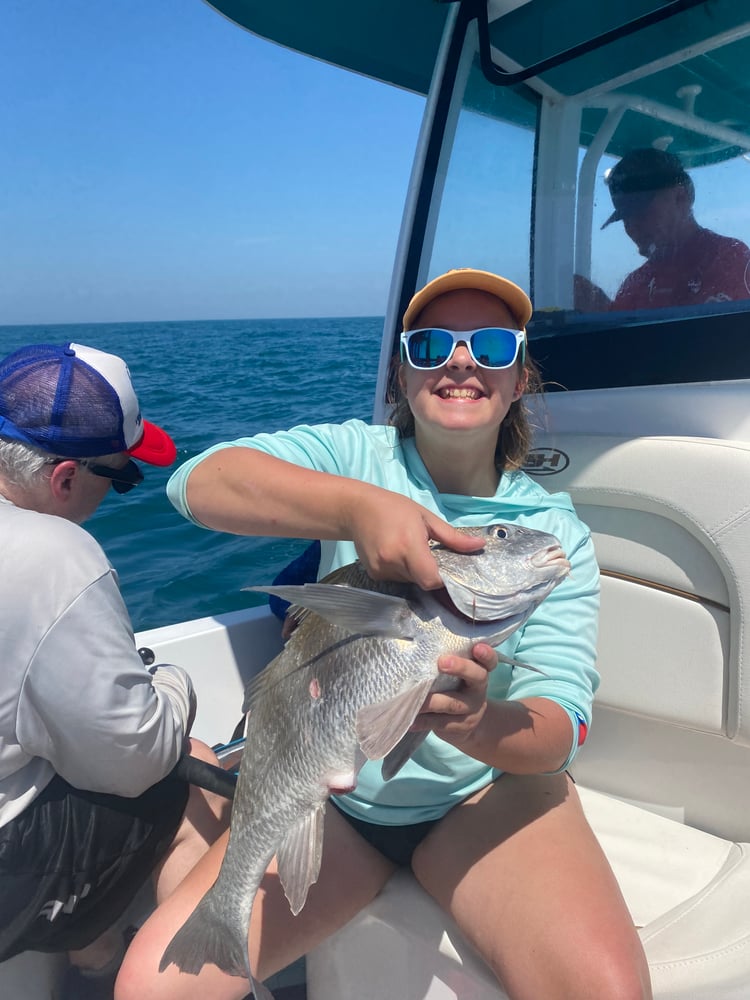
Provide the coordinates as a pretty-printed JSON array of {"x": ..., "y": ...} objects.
[{"x": 76, "y": 402}]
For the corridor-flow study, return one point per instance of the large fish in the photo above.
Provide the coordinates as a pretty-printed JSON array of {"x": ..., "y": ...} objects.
[{"x": 346, "y": 688}]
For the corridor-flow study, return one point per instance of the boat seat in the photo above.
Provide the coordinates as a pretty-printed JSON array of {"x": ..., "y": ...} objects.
[
  {"x": 687, "y": 889},
  {"x": 664, "y": 775},
  {"x": 32, "y": 974}
]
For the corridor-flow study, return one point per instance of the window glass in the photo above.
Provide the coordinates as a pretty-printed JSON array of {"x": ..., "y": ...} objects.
[
  {"x": 523, "y": 187},
  {"x": 532, "y": 183},
  {"x": 485, "y": 203},
  {"x": 666, "y": 250}
]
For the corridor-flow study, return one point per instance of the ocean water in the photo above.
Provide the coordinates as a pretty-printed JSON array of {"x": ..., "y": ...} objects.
[{"x": 204, "y": 382}]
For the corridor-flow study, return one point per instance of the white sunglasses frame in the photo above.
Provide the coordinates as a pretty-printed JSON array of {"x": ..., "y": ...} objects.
[{"x": 463, "y": 337}]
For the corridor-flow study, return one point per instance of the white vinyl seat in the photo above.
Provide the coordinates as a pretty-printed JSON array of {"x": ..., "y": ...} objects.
[
  {"x": 665, "y": 774},
  {"x": 32, "y": 974},
  {"x": 688, "y": 891}
]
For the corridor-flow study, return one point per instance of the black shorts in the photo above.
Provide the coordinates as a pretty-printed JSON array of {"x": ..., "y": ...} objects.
[
  {"x": 397, "y": 843},
  {"x": 73, "y": 861}
]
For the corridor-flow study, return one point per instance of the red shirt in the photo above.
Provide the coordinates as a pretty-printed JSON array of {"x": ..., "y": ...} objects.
[{"x": 708, "y": 268}]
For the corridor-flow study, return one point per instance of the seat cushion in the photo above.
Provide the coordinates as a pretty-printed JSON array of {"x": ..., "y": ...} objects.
[
  {"x": 659, "y": 863},
  {"x": 688, "y": 892}
]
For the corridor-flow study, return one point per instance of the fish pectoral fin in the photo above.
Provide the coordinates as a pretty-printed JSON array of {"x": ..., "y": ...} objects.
[
  {"x": 381, "y": 726},
  {"x": 364, "y": 612},
  {"x": 404, "y": 749},
  {"x": 519, "y": 663},
  {"x": 298, "y": 857}
]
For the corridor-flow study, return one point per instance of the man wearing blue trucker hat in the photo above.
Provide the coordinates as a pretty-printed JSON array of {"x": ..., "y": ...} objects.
[{"x": 88, "y": 735}]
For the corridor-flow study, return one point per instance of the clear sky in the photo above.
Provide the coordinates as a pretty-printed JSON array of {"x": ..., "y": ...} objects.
[{"x": 158, "y": 162}]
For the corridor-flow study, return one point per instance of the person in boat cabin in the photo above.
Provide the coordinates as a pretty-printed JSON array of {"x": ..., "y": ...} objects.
[
  {"x": 485, "y": 814},
  {"x": 686, "y": 264},
  {"x": 88, "y": 735}
]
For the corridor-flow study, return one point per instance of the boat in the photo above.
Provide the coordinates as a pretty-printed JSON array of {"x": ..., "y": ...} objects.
[{"x": 646, "y": 423}]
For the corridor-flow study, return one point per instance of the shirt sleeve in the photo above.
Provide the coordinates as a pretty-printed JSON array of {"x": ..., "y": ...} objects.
[
  {"x": 729, "y": 275},
  {"x": 332, "y": 448},
  {"x": 91, "y": 708}
]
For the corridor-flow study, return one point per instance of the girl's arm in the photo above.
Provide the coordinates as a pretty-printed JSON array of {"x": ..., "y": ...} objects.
[{"x": 248, "y": 492}]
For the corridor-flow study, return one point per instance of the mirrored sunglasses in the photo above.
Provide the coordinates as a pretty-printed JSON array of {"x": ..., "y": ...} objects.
[
  {"x": 491, "y": 347},
  {"x": 123, "y": 480}
]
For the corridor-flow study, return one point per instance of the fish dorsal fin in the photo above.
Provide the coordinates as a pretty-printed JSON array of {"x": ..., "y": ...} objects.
[
  {"x": 363, "y": 612},
  {"x": 380, "y": 727},
  {"x": 406, "y": 747},
  {"x": 298, "y": 857}
]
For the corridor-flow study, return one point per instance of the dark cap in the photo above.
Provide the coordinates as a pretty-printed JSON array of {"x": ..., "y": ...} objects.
[{"x": 641, "y": 172}]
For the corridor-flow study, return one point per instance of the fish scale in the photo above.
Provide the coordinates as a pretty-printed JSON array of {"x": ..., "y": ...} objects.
[{"x": 347, "y": 687}]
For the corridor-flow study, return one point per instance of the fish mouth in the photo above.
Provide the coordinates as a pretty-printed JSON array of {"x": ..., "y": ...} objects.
[{"x": 551, "y": 556}]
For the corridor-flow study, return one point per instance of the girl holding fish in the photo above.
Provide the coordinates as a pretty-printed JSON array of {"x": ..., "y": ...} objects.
[{"x": 484, "y": 812}]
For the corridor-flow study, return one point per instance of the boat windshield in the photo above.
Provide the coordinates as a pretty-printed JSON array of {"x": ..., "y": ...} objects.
[{"x": 614, "y": 187}]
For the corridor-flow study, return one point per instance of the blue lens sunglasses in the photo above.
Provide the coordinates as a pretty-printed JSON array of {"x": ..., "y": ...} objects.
[{"x": 492, "y": 347}]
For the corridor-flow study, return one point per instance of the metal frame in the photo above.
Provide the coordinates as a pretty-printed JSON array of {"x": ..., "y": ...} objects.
[{"x": 502, "y": 78}]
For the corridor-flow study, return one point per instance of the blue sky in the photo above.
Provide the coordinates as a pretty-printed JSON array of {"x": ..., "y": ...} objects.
[{"x": 157, "y": 162}]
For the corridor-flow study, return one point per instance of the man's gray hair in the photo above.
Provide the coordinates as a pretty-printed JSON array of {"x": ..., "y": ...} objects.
[{"x": 21, "y": 464}]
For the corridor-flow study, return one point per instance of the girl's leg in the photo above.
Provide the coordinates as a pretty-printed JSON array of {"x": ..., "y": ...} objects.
[
  {"x": 206, "y": 818},
  {"x": 520, "y": 870},
  {"x": 352, "y": 873}
]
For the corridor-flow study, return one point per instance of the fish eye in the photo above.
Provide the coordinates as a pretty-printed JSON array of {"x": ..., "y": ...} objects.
[{"x": 500, "y": 532}]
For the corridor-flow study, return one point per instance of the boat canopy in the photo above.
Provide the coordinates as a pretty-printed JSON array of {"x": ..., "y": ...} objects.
[
  {"x": 395, "y": 41},
  {"x": 685, "y": 48}
]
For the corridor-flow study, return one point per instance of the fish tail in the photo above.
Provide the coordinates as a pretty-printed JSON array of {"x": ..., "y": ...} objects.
[{"x": 208, "y": 936}]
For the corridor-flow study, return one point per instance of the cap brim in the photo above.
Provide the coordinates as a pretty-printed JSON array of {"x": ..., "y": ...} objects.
[
  {"x": 155, "y": 447},
  {"x": 614, "y": 217},
  {"x": 514, "y": 297}
]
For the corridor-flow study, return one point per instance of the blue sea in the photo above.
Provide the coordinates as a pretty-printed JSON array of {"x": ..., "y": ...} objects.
[{"x": 204, "y": 382}]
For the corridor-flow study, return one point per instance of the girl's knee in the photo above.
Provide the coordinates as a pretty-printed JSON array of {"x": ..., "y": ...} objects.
[
  {"x": 623, "y": 976},
  {"x": 126, "y": 986}
]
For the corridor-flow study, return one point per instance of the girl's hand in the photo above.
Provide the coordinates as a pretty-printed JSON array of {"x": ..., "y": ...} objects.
[
  {"x": 454, "y": 715},
  {"x": 391, "y": 534}
]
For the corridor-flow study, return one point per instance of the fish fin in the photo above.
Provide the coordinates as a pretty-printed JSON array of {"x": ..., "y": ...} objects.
[
  {"x": 258, "y": 990},
  {"x": 364, "y": 612},
  {"x": 519, "y": 663},
  {"x": 381, "y": 726},
  {"x": 255, "y": 688},
  {"x": 406, "y": 746},
  {"x": 208, "y": 936},
  {"x": 298, "y": 858}
]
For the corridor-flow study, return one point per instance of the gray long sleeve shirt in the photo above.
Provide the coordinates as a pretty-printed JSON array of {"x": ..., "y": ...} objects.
[{"x": 75, "y": 698}]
